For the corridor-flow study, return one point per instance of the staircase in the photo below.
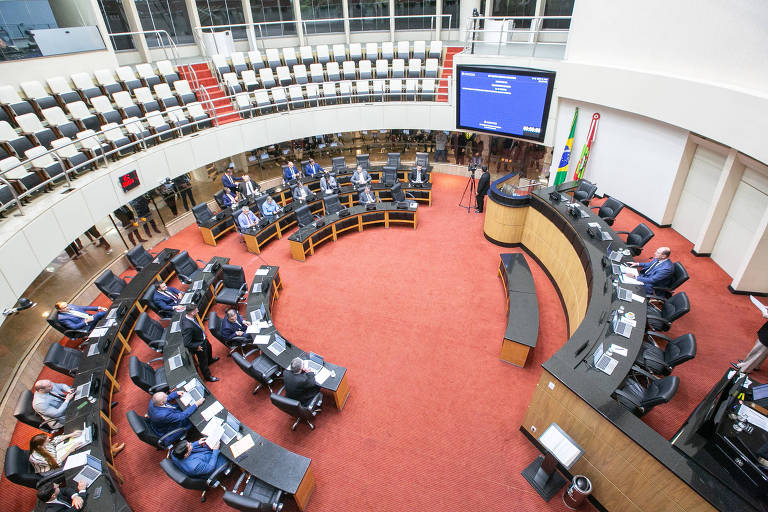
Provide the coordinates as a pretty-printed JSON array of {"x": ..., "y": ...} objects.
[
  {"x": 447, "y": 72},
  {"x": 224, "y": 111}
]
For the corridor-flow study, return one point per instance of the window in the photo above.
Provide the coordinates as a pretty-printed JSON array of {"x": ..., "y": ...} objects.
[
  {"x": 451, "y": 7},
  {"x": 512, "y": 8},
  {"x": 368, "y": 9},
  {"x": 114, "y": 18},
  {"x": 222, "y": 12},
  {"x": 413, "y": 8},
  {"x": 558, "y": 8},
  {"x": 321, "y": 10},
  {"x": 273, "y": 10},
  {"x": 168, "y": 15}
]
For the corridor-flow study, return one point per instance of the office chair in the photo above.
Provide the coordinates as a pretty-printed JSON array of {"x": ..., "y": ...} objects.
[
  {"x": 151, "y": 332},
  {"x": 660, "y": 319},
  {"x": 147, "y": 378},
  {"x": 257, "y": 496},
  {"x": 423, "y": 159},
  {"x": 214, "y": 325},
  {"x": 640, "y": 400},
  {"x": 25, "y": 413},
  {"x": 219, "y": 198},
  {"x": 234, "y": 287},
  {"x": 73, "y": 334},
  {"x": 262, "y": 369},
  {"x": 63, "y": 359},
  {"x": 678, "y": 277},
  {"x": 196, "y": 484},
  {"x": 585, "y": 192},
  {"x": 338, "y": 164},
  {"x": 389, "y": 175},
  {"x": 609, "y": 210},
  {"x": 186, "y": 268},
  {"x": 393, "y": 160},
  {"x": 364, "y": 161},
  {"x": 141, "y": 427},
  {"x": 304, "y": 216},
  {"x": 18, "y": 469},
  {"x": 332, "y": 204},
  {"x": 139, "y": 257},
  {"x": 147, "y": 300},
  {"x": 202, "y": 213},
  {"x": 661, "y": 361},
  {"x": 295, "y": 409},
  {"x": 110, "y": 285},
  {"x": 637, "y": 238},
  {"x": 397, "y": 194}
]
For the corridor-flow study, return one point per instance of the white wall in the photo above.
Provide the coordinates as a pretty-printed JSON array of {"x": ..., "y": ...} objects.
[{"x": 16, "y": 71}]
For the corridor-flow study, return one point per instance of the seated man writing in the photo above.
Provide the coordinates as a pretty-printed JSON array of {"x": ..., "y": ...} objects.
[
  {"x": 655, "y": 272},
  {"x": 328, "y": 183},
  {"x": 228, "y": 198},
  {"x": 300, "y": 382},
  {"x": 233, "y": 325},
  {"x": 270, "y": 208},
  {"x": 247, "y": 219},
  {"x": 291, "y": 172},
  {"x": 78, "y": 317},
  {"x": 61, "y": 499},
  {"x": 165, "y": 417},
  {"x": 197, "y": 459},
  {"x": 167, "y": 299}
]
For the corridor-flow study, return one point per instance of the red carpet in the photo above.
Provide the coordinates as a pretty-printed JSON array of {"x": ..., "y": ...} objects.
[{"x": 417, "y": 318}]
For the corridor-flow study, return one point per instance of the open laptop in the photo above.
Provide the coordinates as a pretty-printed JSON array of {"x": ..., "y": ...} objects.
[
  {"x": 315, "y": 362},
  {"x": 175, "y": 361},
  {"x": 258, "y": 314},
  {"x": 256, "y": 287},
  {"x": 277, "y": 347},
  {"x": 83, "y": 390},
  {"x": 208, "y": 267},
  {"x": 621, "y": 327},
  {"x": 90, "y": 472},
  {"x": 176, "y": 326},
  {"x": 602, "y": 361},
  {"x": 231, "y": 428},
  {"x": 197, "y": 285},
  {"x": 624, "y": 294}
]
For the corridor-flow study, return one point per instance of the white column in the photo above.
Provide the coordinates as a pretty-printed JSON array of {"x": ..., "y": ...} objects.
[
  {"x": 100, "y": 24},
  {"x": 729, "y": 180},
  {"x": 438, "y": 19},
  {"x": 134, "y": 23},
  {"x": 679, "y": 182},
  {"x": 392, "y": 20},
  {"x": 345, "y": 13},
  {"x": 466, "y": 7},
  {"x": 250, "y": 32},
  {"x": 297, "y": 15},
  {"x": 194, "y": 20},
  {"x": 752, "y": 276},
  {"x": 536, "y": 24}
]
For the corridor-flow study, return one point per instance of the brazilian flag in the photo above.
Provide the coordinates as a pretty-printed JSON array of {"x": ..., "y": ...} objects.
[{"x": 562, "y": 170}]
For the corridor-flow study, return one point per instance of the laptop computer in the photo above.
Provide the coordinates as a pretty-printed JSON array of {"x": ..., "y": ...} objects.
[
  {"x": 605, "y": 235},
  {"x": 197, "y": 285},
  {"x": 208, "y": 267},
  {"x": 195, "y": 389},
  {"x": 231, "y": 428},
  {"x": 258, "y": 314},
  {"x": 175, "y": 361},
  {"x": 90, "y": 472},
  {"x": 621, "y": 327},
  {"x": 187, "y": 298},
  {"x": 315, "y": 362},
  {"x": 176, "y": 326},
  {"x": 277, "y": 347},
  {"x": 83, "y": 390},
  {"x": 602, "y": 361},
  {"x": 256, "y": 287},
  {"x": 624, "y": 294}
]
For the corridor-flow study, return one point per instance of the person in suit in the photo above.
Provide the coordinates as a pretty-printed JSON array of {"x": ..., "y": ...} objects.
[
  {"x": 195, "y": 340},
  {"x": 228, "y": 198},
  {"x": 360, "y": 176},
  {"x": 228, "y": 180},
  {"x": 270, "y": 208},
  {"x": 418, "y": 175},
  {"x": 328, "y": 183},
  {"x": 291, "y": 172},
  {"x": 61, "y": 499},
  {"x": 300, "y": 382},
  {"x": 165, "y": 417},
  {"x": 301, "y": 192},
  {"x": 233, "y": 325},
  {"x": 655, "y": 272},
  {"x": 141, "y": 206},
  {"x": 166, "y": 299},
  {"x": 197, "y": 459},
  {"x": 312, "y": 168},
  {"x": 247, "y": 219},
  {"x": 754, "y": 359},
  {"x": 483, "y": 184},
  {"x": 247, "y": 186},
  {"x": 366, "y": 196},
  {"x": 184, "y": 187},
  {"x": 79, "y": 317},
  {"x": 51, "y": 400}
]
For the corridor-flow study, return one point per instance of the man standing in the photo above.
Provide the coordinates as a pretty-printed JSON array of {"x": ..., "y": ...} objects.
[
  {"x": 228, "y": 180},
  {"x": 247, "y": 219},
  {"x": 51, "y": 401},
  {"x": 247, "y": 186},
  {"x": 655, "y": 272},
  {"x": 194, "y": 339},
  {"x": 483, "y": 184},
  {"x": 441, "y": 139},
  {"x": 166, "y": 299},
  {"x": 184, "y": 187},
  {"x": 300, "y": 382},
  {"x": 164, "y": 417},
  {"x": 78, "y": 317},
  {"x": 312, "y": 168}
]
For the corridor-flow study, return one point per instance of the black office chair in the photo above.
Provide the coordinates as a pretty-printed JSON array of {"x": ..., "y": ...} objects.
[
  {"x": 640, "y": 400},
  {"x": 332, "y": 204},
  {"x": 673, "y": 308},
  {"x": 110, "y": 285},
  {"x": 609, "y": 210},
  {"x": 294, "y": 408},
  {"x": 397, "y": 193},
  {"x": 364, "y": 161},
  {"x": 147, "y": 378},
  {"x": 141, "y": 427},
  {"x": 585, "y": 192},
  {"x": 17, "y": 468},
  {"x": 262, "y": 369},
  {"x": 389, "y": 175},
  {"x": 637, "y": 238},
  {"x": 661, "y": 361},
  {"x": 233, "y": 344},
  {"x": 678, "y": 277},
  {"x": 25, "y": 413},
  {"x": 304, "y": 216},
  {"x": 234, "y": 287},
  {"x": 423, "y": 159},
  {"x": 393, "y": 160},
  {"x": 63, "y": 359},
  {"x": 219, "y": 198},
  {"x": 202, "y": 213},
  {"x": 196, "y": 484},
  {"x": 73, "y": 334},
  {"x": 257, "y": 496},
  {"x": 185, "y": 266},
  {"x": 338, "y": 164},
  {"x": 139, "y": 257},
  {"x": 257, "y": 207},
  {"x": 151, "y": 332}
]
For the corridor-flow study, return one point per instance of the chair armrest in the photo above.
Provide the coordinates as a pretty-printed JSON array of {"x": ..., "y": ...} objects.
[
  {"x": 663, "y": 289},
  {"x": 250, "y": 352},
  {"x": 154, "y": 360},
  {"x": 213, "y": 480},
  {"x": 653, "y": 316},
  {"x": 157, "y": 345},
  {"x": 128, "y": 278},
  {"x": 621, "y": 232},
  {"x": 595, "y": 207},
  {"x": 243, "y": 289},
  {"x": 656, "y": 334},
  {"x": 158, "y": 387},
  {"x": 280, "y": 391},
  {"x": 314, "y": 403},
  {"x": 201, "y": 261},
  {"x": 184, "y": 279},
  {"x": 240, "y": 479},
  {"x": 171, "y": 433},
  {"x": 644, "y": 373},
  {"x": 633, "y": 246},
  {"x": 629, "y": 397}
]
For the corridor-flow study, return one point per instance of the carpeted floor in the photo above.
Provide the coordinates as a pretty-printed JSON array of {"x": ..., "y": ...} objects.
[{"x": 416, "y": 317}]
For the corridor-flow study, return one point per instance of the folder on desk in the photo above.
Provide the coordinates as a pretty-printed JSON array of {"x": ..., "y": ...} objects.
[
  {"x": 240, "y": 446},
  {"x": 262, "y": 272}
]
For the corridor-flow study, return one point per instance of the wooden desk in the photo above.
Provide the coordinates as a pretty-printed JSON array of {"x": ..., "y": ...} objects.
[{"x": 216, "y": 229}]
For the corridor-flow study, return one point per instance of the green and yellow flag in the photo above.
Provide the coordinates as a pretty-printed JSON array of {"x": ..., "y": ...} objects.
[{"x": 562, "y": 170}]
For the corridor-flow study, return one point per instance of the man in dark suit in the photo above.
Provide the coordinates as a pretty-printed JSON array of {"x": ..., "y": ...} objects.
[
  {"x": 228, "y": 198},
  {"x": 301, "y": 192},
  {"x": 228, "y": 180},
  {"x": 291, "y": 172},
  {"x": 233, "y": 325},
  {"x": 79, "y": 317},
  {"x": 165, "y": 417},
  {"x": 194, "y": 339},
  {"x": 312, "y": 168},
  {"x": 366, "y": 196},
  {"x": 247, "y": 186},
  {"x": 300, "y": 382},
  {"x": 483, "y": 184},
  {"x": 166, "y": 299},
  {"x": 655, "y": 272},
  {"x": 61, "y": 499},
  {"x": 418, "y": 175}
]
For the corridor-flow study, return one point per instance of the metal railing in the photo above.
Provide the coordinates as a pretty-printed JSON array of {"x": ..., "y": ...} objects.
[{"x": 502, "y": 35}]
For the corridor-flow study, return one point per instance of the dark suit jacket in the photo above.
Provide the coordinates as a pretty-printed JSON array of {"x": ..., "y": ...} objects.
[
  {"x": 229, "y": 182},
  {"x": 163, "y": 302},
  {"x": 65, "y": 495},
  {"x": 242, "y": 186},
  {"x": 424, "y": 175},
  {"x": 228, "y": 329},
  {"x": 192, "y": 335},
  {"x": 483, "y": 184},
  {"x": 74, "y": 322},
  {"x": 657, "y": 276},
  {"x": 300, "y": 386},
  {"x": 169, "y": 417},
  {"x": 228, "y": 200}
]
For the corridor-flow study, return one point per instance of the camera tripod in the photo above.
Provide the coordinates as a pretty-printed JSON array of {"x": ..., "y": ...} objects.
[{"x": 469, "y": 187}]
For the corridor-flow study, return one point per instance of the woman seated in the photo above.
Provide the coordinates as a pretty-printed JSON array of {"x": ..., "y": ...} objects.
[{"x": 47, "y": 453}]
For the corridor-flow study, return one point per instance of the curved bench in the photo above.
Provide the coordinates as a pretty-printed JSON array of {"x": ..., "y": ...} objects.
[{"x": 522, "y": 309}]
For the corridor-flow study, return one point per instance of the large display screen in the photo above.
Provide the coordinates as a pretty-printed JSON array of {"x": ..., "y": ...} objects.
[{"x": 505, "y": 101}]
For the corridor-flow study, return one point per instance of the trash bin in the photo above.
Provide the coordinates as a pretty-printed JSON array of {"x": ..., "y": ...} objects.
[{"x": 577, "y": 492}]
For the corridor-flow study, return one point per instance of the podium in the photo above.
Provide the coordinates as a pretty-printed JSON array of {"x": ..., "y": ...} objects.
[{"x": 542, "y": 472}]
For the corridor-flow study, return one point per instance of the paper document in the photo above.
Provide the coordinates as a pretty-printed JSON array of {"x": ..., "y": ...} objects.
[
  {"x": 240, "y": 446},
  {"x": 630, "y": 321},
  {"x": 256, "y": 288},
  {"x": 76, "y": 460},
  {"x": 638, "y": 298},
  {"x": 110, "y": 322},
  {"x": 276, "y": 349},
  {"x": 190, "y": 385},
  {"x": 262, "y": 272},
  {"x": 185, "y": 399},
  {"x": 98, "y": 332},
  {"x": 628, "y": 280},
  {"x": 213, "y": 431},
  {"x": 593, "y": 224},
  {"x": 753, "y": 417},
  {"x": 262, "y": 339},
  {"x": 559, "y": 446},
  {"x": 253, "y": 328},
  {"x": 93, "y": 349},
  {"x": 322, "y": 376},
  {"x": 632, "y": 271},
  {"x": 618, "y": 350},
  {"x": 759, "y": 305},
  {"x": 212, "y": 410}
]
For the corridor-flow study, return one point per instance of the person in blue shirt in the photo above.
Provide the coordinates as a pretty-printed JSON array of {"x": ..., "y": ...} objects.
[
  {"x": 166, "y": 299},
  {"x": 247, "y": 219},
  {"x": 233, "y": 325},
  {"x": 270, "y": 207},
  {"x": 312, "y": 168},
  {"x": 197, "y": 459},
  {"x": 79, "y": 317},
  {"x": 228, "y": 180},
  {"x": 655, "y": 272},
  {"x": 165, "y": 417},
  {"x": 228, "y": 198}
]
